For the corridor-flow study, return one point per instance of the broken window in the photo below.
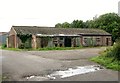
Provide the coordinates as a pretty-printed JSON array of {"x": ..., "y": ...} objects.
[
  {"x": 98, "y": 39},
  {"x": 61, "y": 38},
  {"x": 56, "y": 45},
  {"x": 60, "y": 45}
]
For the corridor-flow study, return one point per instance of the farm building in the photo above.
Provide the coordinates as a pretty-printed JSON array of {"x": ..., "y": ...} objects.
[
  {"x": 3, "y": 36},
  {"x": 39, "y": 37}
]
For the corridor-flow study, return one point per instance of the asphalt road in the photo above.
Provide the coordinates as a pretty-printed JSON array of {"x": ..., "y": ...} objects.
[{"x": 17, "y": 65}]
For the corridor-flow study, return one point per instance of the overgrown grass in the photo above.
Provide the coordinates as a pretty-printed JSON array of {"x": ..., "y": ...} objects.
[
  {"x": 13, "y": 49},
  {"x": 44, "y": 49},
  {"x": 49, "y": 48},
  {"x": 58, "y": 48},
  {"x": 110, "y": 58},
  {"x": 107, "y": 62},
  {"x": 3, "y": 46}
]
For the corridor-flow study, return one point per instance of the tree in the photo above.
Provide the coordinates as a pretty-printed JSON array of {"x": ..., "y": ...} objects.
[
  {"x": 109, "y": 22},
  {"x": 65, "y": 25},
  {"x": 114, "y": 51},
  {"x": 77, "y": 24},
  {"x": 58, "y": 25},
  {"x": 89, "y": 24}
]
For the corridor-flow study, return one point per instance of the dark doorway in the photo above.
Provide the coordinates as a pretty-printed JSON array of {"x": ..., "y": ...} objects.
[
  {"x": 44, "y": 42},
  {"x": 107, "y": 41},
  {"x": 67, "y": 42}
]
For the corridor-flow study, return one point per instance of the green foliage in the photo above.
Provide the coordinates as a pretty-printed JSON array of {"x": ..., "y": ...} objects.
[
  {"x": 77, "y": 24},
  {"x": 25, "y": 45},
  {"x": 109, "y": 22},
  {"x": 21, "y": 46},
  {"x": 3, "y": 46},
  {"x": 89, "y": 24},
  {"x": 13, "y": 49},
  {"x": 45, "y": 48},
  {"x": 74, "y": 24},
  {"x": 66, "y": 25},
  {"x": 107, "y": 62},
  {"x": 115, "y": 51},
  {"x": 26, "y": 41},
  {"x": 24, "y": 37},
  {"x": 110, "y": 58},
  {"x": 58, "y": 25},
  {"x": 59, "y": 48},
  {"x": 63, "y": 25}
]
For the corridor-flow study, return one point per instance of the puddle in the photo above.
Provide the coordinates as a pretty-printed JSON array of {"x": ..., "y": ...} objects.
[
  {"x": 69, "y": 72},
  {"x": 37, "y": 78}
]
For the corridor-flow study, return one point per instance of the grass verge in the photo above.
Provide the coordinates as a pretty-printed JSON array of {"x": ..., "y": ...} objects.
[
  {"x": 110, "y": 58},
  {"x": 44, "y": 49},
  {"x": 58, "y": 48},
  {"x": 49, "y": 48},
  {"x": 13, "y": 49},
  {"x": 108, "y": 62}
]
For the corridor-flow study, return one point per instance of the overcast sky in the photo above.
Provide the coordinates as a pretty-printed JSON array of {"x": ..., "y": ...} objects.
[{"x": 50, "y": 12}]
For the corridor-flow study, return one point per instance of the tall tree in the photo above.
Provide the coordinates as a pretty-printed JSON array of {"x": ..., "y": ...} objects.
[
  {"x": 58, "y": 25},
  {"x": 110, "y": 22},
  {"x": 65, "y": 25},
  {"x": 77, "y": 24}
]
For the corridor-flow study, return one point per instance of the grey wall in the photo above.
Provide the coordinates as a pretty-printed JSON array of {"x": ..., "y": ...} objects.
[{"x": 3, "y": 39}]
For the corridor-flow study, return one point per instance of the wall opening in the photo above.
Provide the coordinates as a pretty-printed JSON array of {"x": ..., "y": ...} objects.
[
  {"x": 44, "y": 42},
  {"x": 67, "y": 42},
  {"x": 107, "y": 41}
]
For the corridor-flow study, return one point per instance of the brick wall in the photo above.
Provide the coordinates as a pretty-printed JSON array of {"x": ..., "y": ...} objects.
[
  {"x": 98, "y": 40},
  {"x": 13, "y": 41}
]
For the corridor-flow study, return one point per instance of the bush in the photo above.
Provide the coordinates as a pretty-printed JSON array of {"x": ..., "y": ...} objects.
[
  {"x": 107, "y": 62},
  {"x": 110, "y": 58},
  {"x": 115, "y": 51},
  {"x": 4, "y": 46},
  {"x": 22, "y": 46}
]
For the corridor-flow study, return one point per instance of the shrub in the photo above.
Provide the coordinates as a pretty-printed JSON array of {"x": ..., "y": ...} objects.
[
  {"x": 115, "y": 51},
  {"x": 110, "y": 58},
  {"x": 22, "y": 46},
  {"x": 4, "y": 46}
]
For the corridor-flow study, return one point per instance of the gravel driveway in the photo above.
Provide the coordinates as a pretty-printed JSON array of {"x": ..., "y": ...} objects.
[{"x": 17, "y": 65}]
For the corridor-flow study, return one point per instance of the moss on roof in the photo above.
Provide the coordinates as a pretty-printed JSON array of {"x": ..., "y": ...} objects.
[{"x": 53, "y": 30}]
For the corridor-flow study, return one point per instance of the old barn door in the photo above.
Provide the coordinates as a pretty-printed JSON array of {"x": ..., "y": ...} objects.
[{"x": 67, "y": 42}]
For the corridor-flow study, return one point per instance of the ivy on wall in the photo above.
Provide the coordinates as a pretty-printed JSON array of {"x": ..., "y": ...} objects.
[
  {"x": 26, "y": 41},
  {"x": 46, "y": 41},
  {"x": 24, "y": 37}
]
